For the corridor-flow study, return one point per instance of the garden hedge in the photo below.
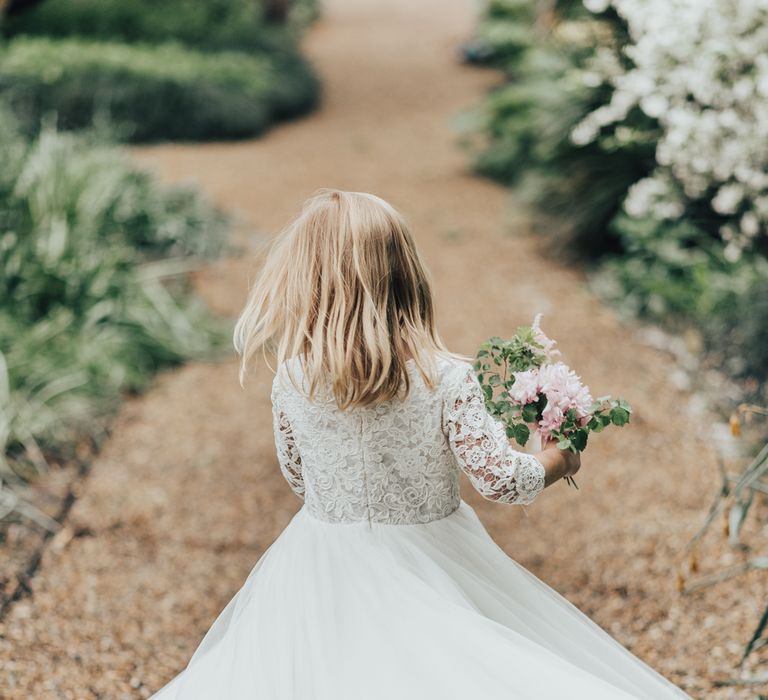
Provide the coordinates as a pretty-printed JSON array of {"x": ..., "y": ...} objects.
[
  {"x": 205, "y": 24},
  {"x": 151, "y": 92},
  {"x": 85, "y": 311}
]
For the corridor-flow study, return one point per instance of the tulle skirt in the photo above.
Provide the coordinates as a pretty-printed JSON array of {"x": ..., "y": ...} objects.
[{"x": 404, "y": 612}]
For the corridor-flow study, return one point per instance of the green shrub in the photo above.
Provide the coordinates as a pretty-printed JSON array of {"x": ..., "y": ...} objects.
[
  {"x": 505, "y": 32},
  {"x": 208, "y": 24},
  {"x": 675, "y": 273},
  {"x": 150, "y": 92},
  {"x": 526, "y": 125},
  {"x": 84, "y": 315}
]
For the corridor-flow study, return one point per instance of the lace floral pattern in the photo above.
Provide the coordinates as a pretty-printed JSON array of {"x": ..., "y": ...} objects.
[
  {"x": 497, "y": 471},
  {"x": 398, "y": 461},
  {"x": 287, "y": 455}
]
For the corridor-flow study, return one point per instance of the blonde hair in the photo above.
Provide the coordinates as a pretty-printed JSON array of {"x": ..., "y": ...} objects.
[{"x": 343, "y": 289}]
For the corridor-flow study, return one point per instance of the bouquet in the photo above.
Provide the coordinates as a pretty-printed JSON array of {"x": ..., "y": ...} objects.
[{"x": 526, "y": 387}]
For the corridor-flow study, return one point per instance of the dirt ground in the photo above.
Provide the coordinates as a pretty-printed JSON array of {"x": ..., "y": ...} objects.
[{"x": 186, "y": 495}]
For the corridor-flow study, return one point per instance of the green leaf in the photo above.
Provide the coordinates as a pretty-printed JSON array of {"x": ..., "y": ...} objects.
[
  {"x": 564, "y": 444},
  {"x": 619, "y": 416},
  {"x": 736, "y": 517},
  {"x": 522, "y": 433},
  {"x": 530, "y": 413},
  {"x": 761, "y": 626},
  {"x": 579, "y": 439}
]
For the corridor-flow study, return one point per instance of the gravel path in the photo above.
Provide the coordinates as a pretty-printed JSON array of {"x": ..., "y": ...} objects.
[{"x": 186, "y": 495}]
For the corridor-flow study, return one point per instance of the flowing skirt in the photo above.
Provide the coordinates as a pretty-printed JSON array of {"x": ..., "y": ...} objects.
[{"x": 365, "y": 611}]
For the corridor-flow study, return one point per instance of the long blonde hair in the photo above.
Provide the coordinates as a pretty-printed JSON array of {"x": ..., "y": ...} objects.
[{"x": 344, "y": 290}]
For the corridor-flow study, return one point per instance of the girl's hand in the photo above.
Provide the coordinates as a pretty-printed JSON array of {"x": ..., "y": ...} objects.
[
  {"x": 558, "y": 464},
  {"x": 572, "y": 462}
]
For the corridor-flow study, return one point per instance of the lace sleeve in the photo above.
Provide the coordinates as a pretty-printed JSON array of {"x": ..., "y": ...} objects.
[
  {"x": 287, "y": 454},
  {"x": 479, "y": 442}
]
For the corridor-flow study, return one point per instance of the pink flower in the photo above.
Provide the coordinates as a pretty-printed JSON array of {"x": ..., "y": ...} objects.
[
  {"x": 563, "y": 387},
  {"x": 526, "y": 387},
  {"x": 546, "y": 342},
  {"x": 552, "y": 418},
  {"x": 582, "y": 402}
]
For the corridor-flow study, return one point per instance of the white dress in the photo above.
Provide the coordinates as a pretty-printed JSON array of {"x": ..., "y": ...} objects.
[{"x": 385, "y": 584}]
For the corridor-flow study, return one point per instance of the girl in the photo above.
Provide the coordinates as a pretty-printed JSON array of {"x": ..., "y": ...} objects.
[{"x": 385, "y": 585}]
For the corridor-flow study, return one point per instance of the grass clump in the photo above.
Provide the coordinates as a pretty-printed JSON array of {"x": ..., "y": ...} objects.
[{"x": 85, "y": 312}]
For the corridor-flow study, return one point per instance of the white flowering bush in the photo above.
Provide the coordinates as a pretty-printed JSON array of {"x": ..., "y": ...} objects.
[
  {"x": 524, "y": 126},
  {"x": 700, "y": 69},
  {"x": 638, "y": 129}
]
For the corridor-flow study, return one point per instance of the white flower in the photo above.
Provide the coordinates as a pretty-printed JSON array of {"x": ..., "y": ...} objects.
[
  {"x": 727, "y": 199},
  {"x": 750, "y": 224},
  {"x": 583, "y": 134},
  {"x": 597, "y": 6},
  {"x": 654, "y": 197},
  {"x": 700, "y": 69},
  {"x": 732, "y": 252},
  {"x": 654, "y": 105}
]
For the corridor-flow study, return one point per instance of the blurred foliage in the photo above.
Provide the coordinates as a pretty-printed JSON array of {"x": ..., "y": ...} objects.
[
  {"x": 148, "y": 92},
  {"x": 179, "y": 70},
  {"x": 675, "y": 273},
  {"x": 732, "y": 504},
  {"x": 526, "y": 124},
  {"x": 671, "y": 271},
  {"x": 206, "y": 24},
  {"x": 576, "y": 189},
  {"x": 85, "y": 313},
  {"x": 94, "y": 292}
]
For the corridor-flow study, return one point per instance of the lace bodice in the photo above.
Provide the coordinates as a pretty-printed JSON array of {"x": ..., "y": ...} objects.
[{"x": 398, "y": 461}]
